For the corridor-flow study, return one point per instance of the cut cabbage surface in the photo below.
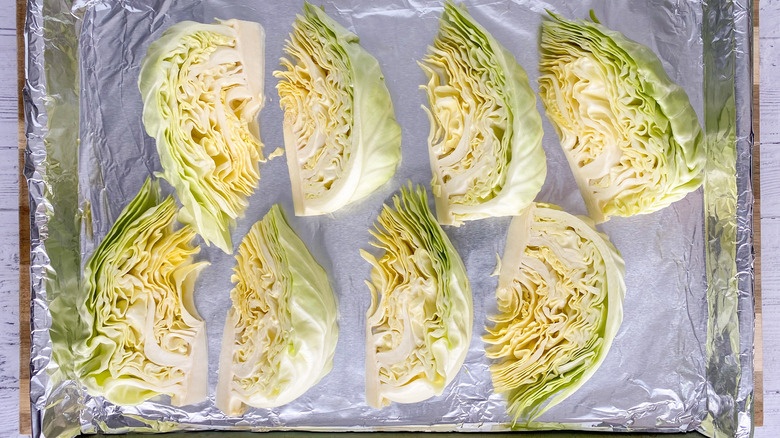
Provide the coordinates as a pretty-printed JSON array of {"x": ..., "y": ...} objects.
[
  {"x": 485, "y": 143},
  {"x": 145, "y": 337},
  {"x": 340, "y": 135},
  {"x": 202, "y": 86},
  {"x": 420, "y": 319},
  {"x": 630, "y": 134},
  {"x": 560, "y": 304},
  {"x": 281, "y": 332}
]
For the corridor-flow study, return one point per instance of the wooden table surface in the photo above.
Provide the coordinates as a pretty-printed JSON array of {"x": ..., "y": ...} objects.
[
  {"x": 14, "y": 217},
  {"x": 9, "y": 243},
  {"x": 767, "y": 151}
]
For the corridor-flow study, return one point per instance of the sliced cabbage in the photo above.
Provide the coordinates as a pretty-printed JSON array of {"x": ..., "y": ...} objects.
[
  {"x": 145, "y": 336},
  {"x": 419, "y": 323},
  {"x": 340, "y": 135},
  {"x": 281, "y": 332},
  {"x": 630, "y": 135},
  {"x": 560, "y": 302},
  {"x": 485, "y": 143},
  {"x": 202, "y": 86}
]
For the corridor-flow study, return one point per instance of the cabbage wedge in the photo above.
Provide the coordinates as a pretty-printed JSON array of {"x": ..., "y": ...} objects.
[
  {"x": 281, "y": 332},
  {"x": 560, "y": 302},
  {"x": 145, "y": 337},
  {"x": 485, "y": 142},
  {"x": 630, "y": 134},
  {"x": 340, "y": 135},
  {"x": 420, "y": 319},
  {"x": 202, "y": 87}
]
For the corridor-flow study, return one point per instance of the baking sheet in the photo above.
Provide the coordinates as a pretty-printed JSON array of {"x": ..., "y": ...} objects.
[{"x": 88, "y": 156}]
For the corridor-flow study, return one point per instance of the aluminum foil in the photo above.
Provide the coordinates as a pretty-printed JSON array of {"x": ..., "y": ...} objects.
[{"x": 682, "y": 360}]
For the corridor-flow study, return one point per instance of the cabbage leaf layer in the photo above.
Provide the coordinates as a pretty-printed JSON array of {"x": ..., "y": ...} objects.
[
  {"x": 485, "y": 143},
  {"x": 420, "y": 319},
  {"x": 340, "y": 135},
  {"x": 560, "y": 303},
  {"x": 630, "y": 134},
  {"x": 202, "y": 86},
  {"x": 145, "y": 337},
  {"x": 281, "y": 332}
]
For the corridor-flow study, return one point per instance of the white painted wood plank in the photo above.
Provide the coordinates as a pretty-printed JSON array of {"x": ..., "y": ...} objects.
[
  {"x": 770, "y": 183},
  {"x": 770, "y": 233},
  {"x": 769, "y": 90},
  {"x": 8, "y": 96},
  {"x": 9, "y": 318},
  {"x": 771, "y": 427},
  {"x": 8, "y": 18},
  {"x": 769, "y": 11},
  {"x": 769, "y": 71}
]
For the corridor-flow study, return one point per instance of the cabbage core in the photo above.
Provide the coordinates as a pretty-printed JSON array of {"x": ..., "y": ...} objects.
[
  {"x": 280, "y": 335},
  {"x": 202, "y": 86},
  {"x": 630, "y": 135},
  {"x": 560, "y": 294},
  {"x": 485, "y": 143},
  {"x": 145, "y": 337},
  {"x": 341, "y": 138},
  {"x": 419, "y": 323}
]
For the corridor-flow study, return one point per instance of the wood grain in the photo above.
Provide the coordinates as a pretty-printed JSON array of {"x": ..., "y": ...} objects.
[
  {"x": 771, "y": 327},
  {"x": 9, "y": 248},
  {"x": 25, "y": 417},
  {"x": 758, "y": 358},
  {"x": 767, "y": 379}
]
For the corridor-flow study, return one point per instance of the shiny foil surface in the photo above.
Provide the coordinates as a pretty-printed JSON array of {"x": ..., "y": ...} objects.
[{"x": 682, "y": 359}]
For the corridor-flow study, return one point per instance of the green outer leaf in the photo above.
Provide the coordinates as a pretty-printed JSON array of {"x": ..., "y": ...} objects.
[
  {"x": 374, "y": 149},
  {"x": 413, "y": 244},
  {"x": 524, "y": 166},
  {"x": 305, "y": 315},
  {"x": 114, "y": 358},
  {"x": 561, "y": 379},
  {"x": 210, "y": 202},
  {"x": 682, "y": 149}
]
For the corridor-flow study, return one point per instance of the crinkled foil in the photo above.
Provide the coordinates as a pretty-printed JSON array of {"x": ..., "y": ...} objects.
[{"x": 682, "y": 360}]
